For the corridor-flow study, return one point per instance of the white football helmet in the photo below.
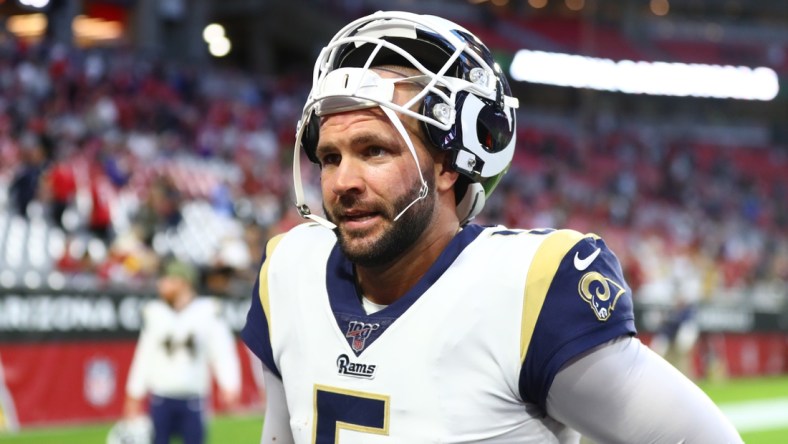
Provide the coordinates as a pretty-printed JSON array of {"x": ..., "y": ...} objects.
[{"x": 465, "y": 104}]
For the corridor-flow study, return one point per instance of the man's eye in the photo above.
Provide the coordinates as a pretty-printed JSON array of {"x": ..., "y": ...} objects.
[
  {"x": 329, "y": 159},
  {"x": 375, "y": 151}
]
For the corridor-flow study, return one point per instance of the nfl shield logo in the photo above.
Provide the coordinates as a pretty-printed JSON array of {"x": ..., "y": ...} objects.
[
  {"x": 359, "y": 332},
  {"x": 100, "y": 381}
]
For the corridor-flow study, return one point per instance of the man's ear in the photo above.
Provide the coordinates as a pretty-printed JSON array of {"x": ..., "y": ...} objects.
[{"x": 445, "y": 175}]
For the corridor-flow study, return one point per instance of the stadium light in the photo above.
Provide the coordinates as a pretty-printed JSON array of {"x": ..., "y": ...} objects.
[
  {"x": 220, "y": 47},
  {"x": 653, "y": 78},
  {"x": 218, "y": 43},
  {"x": 33, "y": 26},
  {"x": 27, "y": 25},
  {"x": 39, "y": 4},
  {"x": 575, "y": 5},
  {"x": 92, "y": 28},
  {"x": 213, "y": 32},
  {"x": 659, "y": 7}
]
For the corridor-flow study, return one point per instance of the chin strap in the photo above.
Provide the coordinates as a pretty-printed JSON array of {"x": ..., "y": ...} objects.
[
  {"x": 298, "y": 187},
  {"x": 405, "y": 136}
]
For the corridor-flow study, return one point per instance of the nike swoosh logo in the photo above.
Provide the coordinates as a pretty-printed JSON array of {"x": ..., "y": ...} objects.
[{"x": 582, "y": 264}]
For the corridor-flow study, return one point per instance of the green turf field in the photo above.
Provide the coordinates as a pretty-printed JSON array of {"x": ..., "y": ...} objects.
[
  {"x": 222, "y": 430},
  {"x": 758, "y": 407}
]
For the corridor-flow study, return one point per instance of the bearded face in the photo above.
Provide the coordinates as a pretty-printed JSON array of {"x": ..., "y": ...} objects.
[{"x": 381, "y": 243}]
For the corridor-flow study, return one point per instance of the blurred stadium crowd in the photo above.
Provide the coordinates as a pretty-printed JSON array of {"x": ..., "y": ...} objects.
[{"x": 110, "y": 161}]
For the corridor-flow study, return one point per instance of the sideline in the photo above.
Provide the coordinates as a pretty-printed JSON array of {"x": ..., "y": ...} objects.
[{"x": 750, "y": 416}]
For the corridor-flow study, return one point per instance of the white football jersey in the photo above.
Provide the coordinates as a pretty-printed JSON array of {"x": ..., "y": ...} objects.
[
  {"x": 467, "y": 355},
  {"x": 178, "y": 349}
]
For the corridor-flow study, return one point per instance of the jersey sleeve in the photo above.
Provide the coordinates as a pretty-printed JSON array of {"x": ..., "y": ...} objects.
[
  {"x": 256, "y": 333},
  {"x": 137, "y": 380},
  {"x": 222, "y": 351},
  {"x": 575, "y": 299}
]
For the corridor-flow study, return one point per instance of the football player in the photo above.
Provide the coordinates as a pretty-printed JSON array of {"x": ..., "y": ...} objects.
[
  {"x": 393, "y": 319},
  {"x": 183, "y": 342}
]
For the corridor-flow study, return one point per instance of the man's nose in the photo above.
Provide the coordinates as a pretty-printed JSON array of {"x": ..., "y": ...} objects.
[{"x": 348, "y": 178}]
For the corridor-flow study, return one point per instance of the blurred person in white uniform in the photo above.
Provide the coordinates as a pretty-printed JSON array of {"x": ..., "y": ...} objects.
[{"x": 183, "y": 342}]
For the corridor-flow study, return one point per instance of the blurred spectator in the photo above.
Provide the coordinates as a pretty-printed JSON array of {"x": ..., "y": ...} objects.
[
  {"x": 217, "y": 280},
  {"x": 677, "y": 336},
  {"x": 102, "y": 195},
  {"x": 160, "y": 209},
  {"x": 60, "y": 184},
  {"x": 129, "y": 261},
  {"x": 76, "y": 263},
  {"x": 222, "y": 199},
  {"x": 134, "y": 141},
  {"x": 25, "y": 184}
]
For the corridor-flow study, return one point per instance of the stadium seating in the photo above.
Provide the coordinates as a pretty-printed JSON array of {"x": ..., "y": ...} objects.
[{"x": 220, "y": 164}]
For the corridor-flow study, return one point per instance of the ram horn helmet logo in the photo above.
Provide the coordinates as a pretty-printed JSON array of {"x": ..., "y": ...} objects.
[{"x": 600, "y": 293}]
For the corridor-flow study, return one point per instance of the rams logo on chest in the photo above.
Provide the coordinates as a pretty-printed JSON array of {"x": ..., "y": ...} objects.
[{"x": 355, "y": 369}]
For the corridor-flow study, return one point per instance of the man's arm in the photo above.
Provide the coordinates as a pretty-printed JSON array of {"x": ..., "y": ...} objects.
[
  {"x": 137, "y": 380},
  {"x": 622, "y": 392},
  {"x": 276, "y": 428},
  {"x": 224, "y": 361}
]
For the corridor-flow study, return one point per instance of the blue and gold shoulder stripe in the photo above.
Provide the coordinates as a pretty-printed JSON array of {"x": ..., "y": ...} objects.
[
  {"x": 256, "y": 333},
  {"x": 575, "y": 299}
]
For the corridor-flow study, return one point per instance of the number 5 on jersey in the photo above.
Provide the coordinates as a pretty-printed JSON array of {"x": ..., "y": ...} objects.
[{"x": 337, "y": 409}]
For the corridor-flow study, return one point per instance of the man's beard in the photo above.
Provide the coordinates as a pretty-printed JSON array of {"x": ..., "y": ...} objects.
[{"x": 399, "y": 235}]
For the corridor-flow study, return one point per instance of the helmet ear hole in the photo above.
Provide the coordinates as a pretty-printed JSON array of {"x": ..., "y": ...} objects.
[{"x": 493, "y": 128}]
